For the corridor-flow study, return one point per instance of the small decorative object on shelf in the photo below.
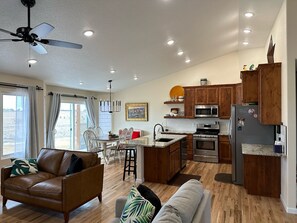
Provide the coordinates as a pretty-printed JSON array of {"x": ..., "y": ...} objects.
[
  {"x": 203, "y": 81},
  {"x": 252, "y": 67},
  {"x": 244, "y": 67},
  {"x": 270, "y": 51}
]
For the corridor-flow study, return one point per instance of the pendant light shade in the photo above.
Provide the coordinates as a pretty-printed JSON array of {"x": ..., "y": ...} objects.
[{"x": 109, "y": 105}]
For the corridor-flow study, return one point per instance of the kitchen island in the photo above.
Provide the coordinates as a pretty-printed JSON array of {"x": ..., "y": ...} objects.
[{"x": 157, "y": 160}]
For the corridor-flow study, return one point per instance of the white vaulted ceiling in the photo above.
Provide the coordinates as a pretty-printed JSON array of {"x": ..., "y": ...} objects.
[{"x": 130, "y": 36}]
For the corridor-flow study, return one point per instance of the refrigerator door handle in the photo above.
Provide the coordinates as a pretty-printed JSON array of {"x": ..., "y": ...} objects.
[{"x": 230, "y": 129}]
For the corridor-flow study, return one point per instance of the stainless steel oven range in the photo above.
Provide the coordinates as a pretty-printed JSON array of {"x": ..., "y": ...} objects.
[{"x": 205, "y": 143}]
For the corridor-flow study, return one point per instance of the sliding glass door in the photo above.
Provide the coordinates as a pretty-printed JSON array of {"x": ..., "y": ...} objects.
[{"x": 71, "y": 124}]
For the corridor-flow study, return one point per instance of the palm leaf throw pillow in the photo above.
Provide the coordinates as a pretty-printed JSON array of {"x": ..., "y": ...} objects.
[
  {"x": 137, "y": 209},
  {"x": 23, "y": 167}
]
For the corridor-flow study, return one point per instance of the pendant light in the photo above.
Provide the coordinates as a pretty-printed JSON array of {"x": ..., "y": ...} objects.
[{"x": 109, "y": 105}]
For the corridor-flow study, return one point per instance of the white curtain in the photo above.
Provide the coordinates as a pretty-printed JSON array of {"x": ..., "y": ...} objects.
[
  {"x": 31, "y": 147},
  {"x": 53, "y": 117},
  {"x": 91, "y": 111}
]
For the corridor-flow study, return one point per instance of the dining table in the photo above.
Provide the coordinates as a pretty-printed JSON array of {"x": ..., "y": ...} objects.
[{"x": 107, "y": 142}]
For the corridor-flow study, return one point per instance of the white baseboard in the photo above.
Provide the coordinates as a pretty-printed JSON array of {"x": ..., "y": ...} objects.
[{"x": 288, "y": 210}]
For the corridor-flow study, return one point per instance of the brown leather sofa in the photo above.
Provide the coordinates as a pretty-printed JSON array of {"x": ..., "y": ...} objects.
[{"x": 51, "y": 187}]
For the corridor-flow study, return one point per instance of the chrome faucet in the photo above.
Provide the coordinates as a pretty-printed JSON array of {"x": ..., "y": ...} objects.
[{"x": 155, "y": 130}]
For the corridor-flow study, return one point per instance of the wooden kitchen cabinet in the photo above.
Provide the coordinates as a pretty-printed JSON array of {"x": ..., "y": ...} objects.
[
  {"x": 206, "y": 95},
  {"x": 161, "y": 164},
  {"x": 269, "y": 84},
  {"x": 226, "y": 99},
  {"x": 225, "y": 153},
  {"x": 189, "y": 102},
  {"x": 190, "y": 146},
  {"x": 249, "y": 86},
  {"x": 238, "y": 94},
  {"x": 262, "y": 175}
]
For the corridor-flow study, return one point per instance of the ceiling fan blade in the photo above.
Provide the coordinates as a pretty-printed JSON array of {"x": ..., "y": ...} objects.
[
  {"x": 61, "y": 43},
  {"x": 6, "y": 31},
  {"x": 38, "y": 48},
  {"x": 10, "y": 40},
  {"x": 42, "y": 30}
]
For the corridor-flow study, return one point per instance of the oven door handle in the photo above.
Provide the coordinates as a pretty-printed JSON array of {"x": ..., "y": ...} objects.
[{"x": 205, "y": 139}]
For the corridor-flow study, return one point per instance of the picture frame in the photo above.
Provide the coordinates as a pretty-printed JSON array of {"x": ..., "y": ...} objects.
[{"x": 136, "y": 111}]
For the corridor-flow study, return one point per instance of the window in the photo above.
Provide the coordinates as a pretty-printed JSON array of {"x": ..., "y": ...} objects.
[
  {"x": 105, "y": 121},
  {"x": 14, "y": 122},
  {"x": 71, "y": 124}
]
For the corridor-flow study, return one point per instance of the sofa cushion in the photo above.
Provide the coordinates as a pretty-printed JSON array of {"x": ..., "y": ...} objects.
[
  {"x": 89, "y": 159},
  {"x": 169, "y": 214},
  {"x": 185, "y": 200},
  {"x": 148, "y": 194},
  {"x": 23, "y": 167},
  {"x": 76, "y": 165},
  {"x": 137, "y": 209},
  {"x": 24, "y": 182},
  {"x": 51, "y": 188},
  {"x": 52, "y": 157}
]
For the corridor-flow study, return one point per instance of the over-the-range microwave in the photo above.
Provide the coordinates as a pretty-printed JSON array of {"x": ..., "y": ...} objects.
[{"x": 206, "y": 111}]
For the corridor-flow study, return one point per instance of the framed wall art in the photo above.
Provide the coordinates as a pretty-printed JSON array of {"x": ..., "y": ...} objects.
[{"x": 136, "y": 111}]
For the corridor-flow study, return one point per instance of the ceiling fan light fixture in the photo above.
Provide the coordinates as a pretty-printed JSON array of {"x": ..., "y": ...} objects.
[
  {"x": 89, "y": 33},
  {"x": 32, "y": 61}
]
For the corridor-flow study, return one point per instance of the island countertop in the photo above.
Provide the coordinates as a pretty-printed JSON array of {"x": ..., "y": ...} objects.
[
  {"x": 148, "y": 141},
  {"x": 259, "y": 150}
]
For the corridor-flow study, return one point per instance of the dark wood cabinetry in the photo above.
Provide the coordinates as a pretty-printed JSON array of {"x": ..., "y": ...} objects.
[
  {"x": 269, "y": 82},
  {"x": 226, "y": 99},
  {"x": 238, "y": 94},
  {"x": 189, "y": 100},
  {"x": 161, "y": 164},
  {"x": 249, "y": 86},
  {"x": 262, "y": 175},
  {"x": 190, "y": 146},
  {"x": 206, "y": 95},
  {"x": 225, "y": 154}
]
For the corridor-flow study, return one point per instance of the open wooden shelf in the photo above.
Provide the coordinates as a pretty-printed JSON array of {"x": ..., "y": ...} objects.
[{"x": 173, "y": 102}]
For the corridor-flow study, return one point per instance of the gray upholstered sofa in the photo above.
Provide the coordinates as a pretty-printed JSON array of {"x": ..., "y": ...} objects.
[{"x": 190, "y": 203}]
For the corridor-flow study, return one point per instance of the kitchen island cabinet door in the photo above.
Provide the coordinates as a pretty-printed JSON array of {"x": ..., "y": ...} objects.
[{"x": 189, "y": 102}]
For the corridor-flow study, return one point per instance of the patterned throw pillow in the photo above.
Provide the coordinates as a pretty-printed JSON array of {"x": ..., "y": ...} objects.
[
  {"x": 23, "y": 167},
  {"x": 137, "y": 209}
]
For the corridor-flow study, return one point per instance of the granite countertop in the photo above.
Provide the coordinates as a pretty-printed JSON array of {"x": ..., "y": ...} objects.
[
  {"x": 259, "y": 150},
  {"x": 148, "y": 141}
]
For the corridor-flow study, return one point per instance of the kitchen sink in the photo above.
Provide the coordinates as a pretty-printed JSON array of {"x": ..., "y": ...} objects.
[{"x": 163, "y": 140}]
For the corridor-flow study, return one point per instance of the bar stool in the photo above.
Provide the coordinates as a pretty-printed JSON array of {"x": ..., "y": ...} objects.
[{"x": 130, "y": 162}]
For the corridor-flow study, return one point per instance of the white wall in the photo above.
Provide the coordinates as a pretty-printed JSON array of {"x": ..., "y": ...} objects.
[{"x": 221, "y": 70}]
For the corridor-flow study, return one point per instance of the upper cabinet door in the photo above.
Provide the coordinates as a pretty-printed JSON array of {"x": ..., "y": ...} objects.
[
  {"x": 249, "y": 86},
  {"x": 269, "y": 82},
  {"x": 206, "y": 96},
  {"x": 226, "y": 99},
  {"x": 189, "y": 102}
]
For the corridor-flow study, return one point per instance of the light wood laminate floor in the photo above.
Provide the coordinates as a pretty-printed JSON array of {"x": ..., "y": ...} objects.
[{"x": 230, "y": 203}]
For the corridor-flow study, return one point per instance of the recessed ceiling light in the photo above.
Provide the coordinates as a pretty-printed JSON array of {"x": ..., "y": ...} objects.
[
  {"x": 112, "y": 71},
  {"x": 188, "y": 60},
  {"x": 88, "y": 33},
  {"x": 248, "y": 14},
  {"x": 81, "y": 83},
  {"x": 180, "y": 53},
  {"x": 247, "y": 30},
  {"x": 135, "y": 77},
  {"x": 170, "y": 42},
  {"x": 245, "y": 43},
  {"x": 32, "y": 61}
]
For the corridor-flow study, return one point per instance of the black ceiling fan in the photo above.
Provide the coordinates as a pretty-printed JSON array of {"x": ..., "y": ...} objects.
[{"x": 34, "y": 36}]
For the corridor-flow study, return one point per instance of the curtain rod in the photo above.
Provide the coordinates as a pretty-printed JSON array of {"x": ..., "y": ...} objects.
[
  {"x": 19, "y": 86},
  {"x": 72, "y": 96}
]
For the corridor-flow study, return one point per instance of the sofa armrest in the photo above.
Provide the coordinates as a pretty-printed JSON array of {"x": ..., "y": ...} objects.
[
  {"x": 5, "y": 174},
  {"x": 203, "y": 213},
  {"x": 80, "y": 187},
  {"x": 119, "y": 206}
]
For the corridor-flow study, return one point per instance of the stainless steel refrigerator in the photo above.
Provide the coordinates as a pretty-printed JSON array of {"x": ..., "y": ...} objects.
[{"x": 245, "y": 128}]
